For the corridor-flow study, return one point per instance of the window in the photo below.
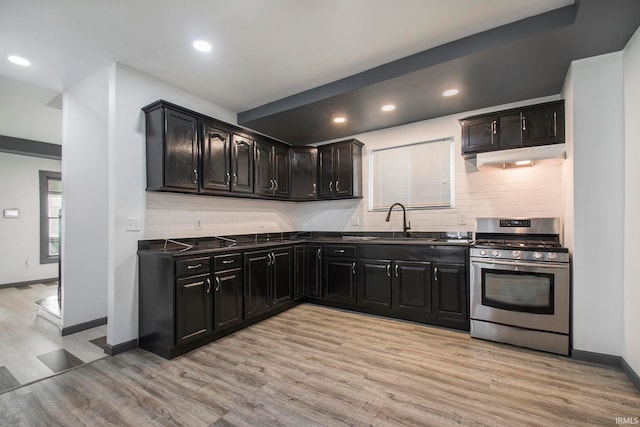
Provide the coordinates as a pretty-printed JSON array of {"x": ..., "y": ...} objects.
[
  {"x": 420, "y": 175},
  {"x": 50, "y": 205}
]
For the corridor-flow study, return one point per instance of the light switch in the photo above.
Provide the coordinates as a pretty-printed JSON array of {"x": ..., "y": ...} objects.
[{"x": 133, "y": 224}]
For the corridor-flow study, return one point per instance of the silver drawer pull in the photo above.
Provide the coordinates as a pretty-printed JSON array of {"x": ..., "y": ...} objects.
[
  {"x": 339, "y": 251},
  {"x": 191, "y": 267},
  {"x": 191, "y": 285},
  {"x": 229, "y": 261}
]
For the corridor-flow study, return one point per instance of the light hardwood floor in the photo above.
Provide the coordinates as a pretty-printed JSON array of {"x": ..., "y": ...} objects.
[
  {"x": 24, "y": 336},
  {"x": 317, "y": 366}
]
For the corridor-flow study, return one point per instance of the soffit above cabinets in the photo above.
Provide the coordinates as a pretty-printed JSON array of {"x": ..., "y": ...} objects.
[{"x": 523, "y": 60}]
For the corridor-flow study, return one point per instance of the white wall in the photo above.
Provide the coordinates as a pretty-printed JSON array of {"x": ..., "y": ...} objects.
[
  {"x": 20, "y": 188},
  {"x": 632, "y": 203},
  {"x": 596, "y": 109},
  {"x": 84, "y": 200},
  {"x": 488, "y": 191}
]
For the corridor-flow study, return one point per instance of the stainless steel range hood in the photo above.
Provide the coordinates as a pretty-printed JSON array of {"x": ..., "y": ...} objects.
[{"x": 555, "y": 151}]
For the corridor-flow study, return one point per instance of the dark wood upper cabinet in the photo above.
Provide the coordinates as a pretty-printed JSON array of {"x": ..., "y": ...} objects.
[
  {"x": 340, "y": 170},
  {"x": 241, "y": 164},
  {"x": 304, "y": 173},
  {"x": 271, "y": 169},
  {"x": 216, "y": 158},
  {"x": 172, "y": 150},
  {"x": 541, "y": 124}
]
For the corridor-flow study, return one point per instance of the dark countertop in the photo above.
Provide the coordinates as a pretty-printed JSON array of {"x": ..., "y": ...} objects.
[{"x": 212, "y": 245}]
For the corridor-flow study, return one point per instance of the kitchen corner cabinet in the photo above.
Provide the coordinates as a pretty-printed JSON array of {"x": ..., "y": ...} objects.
[
  {"x": 172, "y": 149},
  {"x": 339, "y": 273},
  {"x": 304, "y": 173},
  {"x": 340, "y": 170},
  {"x": 268, "y": 280},
  {"x": 308, "y": 271},
  {"x": 271, "y": 169},
  {"x": 541, "y": 124}
]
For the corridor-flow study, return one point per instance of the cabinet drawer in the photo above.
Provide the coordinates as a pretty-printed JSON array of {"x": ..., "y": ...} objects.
[
  {"x": 193, "y": 266},
  {"x": 340, "y": 251},
  {"x": 227, "y": 262}
]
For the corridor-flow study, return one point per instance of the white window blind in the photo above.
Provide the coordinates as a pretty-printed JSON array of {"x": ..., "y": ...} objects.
[{"x": 420, "y": 175}]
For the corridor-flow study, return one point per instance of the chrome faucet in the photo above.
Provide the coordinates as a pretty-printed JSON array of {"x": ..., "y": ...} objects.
[{"x": 405, "y": 226}]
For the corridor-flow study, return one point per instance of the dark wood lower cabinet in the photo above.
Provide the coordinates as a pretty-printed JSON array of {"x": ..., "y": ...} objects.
[
  {"x": 412, "y": 290},
  {"x": 193, "y": 308},
  {"x": 339, "y": 279},
  {"x": 268, "y": 280},
  {"x": 227, "y": 310},
  {"x": 374, "y": 283},
  {"x": 451, "y": 293}
]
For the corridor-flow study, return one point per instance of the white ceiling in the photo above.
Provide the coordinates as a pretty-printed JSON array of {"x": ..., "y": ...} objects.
[{"x": 263, "y": 50}]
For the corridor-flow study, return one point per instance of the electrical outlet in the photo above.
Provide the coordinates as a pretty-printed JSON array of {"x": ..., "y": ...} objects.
[
  {"x": 133, "y": 224},
  {"x": 198, "y": 224},
  {"x": 462, "y": 219},
  {"x": 355, "y": 220}
]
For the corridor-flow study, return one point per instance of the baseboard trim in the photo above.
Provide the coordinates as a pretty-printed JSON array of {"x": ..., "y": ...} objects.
[
  {"x": 631, "y": 374},
  {"x": 28, "y": 282},
  {"x": 600, "y": 358},
  {"x": 112, "y": 350},
  {"x": 83, "y": 326}
]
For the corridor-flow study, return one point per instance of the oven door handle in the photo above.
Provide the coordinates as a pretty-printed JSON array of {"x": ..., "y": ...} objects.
[{"x": 519, "y": 263}]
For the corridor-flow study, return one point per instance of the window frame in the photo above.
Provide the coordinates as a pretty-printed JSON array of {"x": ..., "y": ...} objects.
[
  {"x": 408, "y": 206},
  {"x": 44, "y": 177}
]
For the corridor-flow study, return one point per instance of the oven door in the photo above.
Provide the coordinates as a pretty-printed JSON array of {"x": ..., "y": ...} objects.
[{"x": 518, "y": 293}]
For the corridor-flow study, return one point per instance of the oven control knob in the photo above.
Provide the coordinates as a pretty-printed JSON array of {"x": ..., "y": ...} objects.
[
  {"x": 483, "y": 252},
  {"x": 516, "y": 254},
  {"x": 537, "y": 255},
  {"x": 495, "y": 253},
  {"x": 552, "y": 256}
]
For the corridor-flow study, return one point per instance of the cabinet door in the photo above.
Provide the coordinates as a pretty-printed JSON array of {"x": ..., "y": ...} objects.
[
  {"x": 314, "y": 271},
  {"x": 412, "y": 286},
  {"x": 242, "y": 165},
  {"x": 257, "y": 296},
  {"x": 374, "y": 283},
  {"x": 227, "y": 299},
  {"x": 193, "y": 308},
  {"x": 339, "y": 279},
  {"x": 343, "y": 170},
  {"x": 216, "y": 158},
  {"x": 281, "y": 273},
  {"x": 450, "y": 294},
  {"x": 479, "y": 134},
  {"x": 509, "y": 132},
  {"x": 299, "y": 271},
  {"x": 181, "y": 155},
  {"x": 325, "y": 172},
  {"x": 264, "y": 183},
  {"x": 281, "y": 171},
  {"x": 304, "y": 173},
  {"x": 543, "y": 125}
]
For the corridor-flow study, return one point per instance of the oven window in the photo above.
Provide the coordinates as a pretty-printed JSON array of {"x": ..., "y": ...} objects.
[{"x": 518, "y": 291}]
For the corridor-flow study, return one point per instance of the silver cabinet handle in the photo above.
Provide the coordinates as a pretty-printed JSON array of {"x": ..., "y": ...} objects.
[
  {"x": 208, "y": 285},
  {"x": 397, "y": 271},
  {"x": 353, "y": 268},
  {"x": 319, "y": 252},
  {"x": 276, "y": 187},
  {"x": 227, "y": 179},
  {"x": 270, "y": 185},
  {"x": 338, "y": 186},
  {"x": 388, "y": 270},
  {"x": 555, "y": 124},
  {"x": 330, "y": 186},
  {"x": 494, "y": 126},
  {"x": 314, "y": 188},
  {"x": 524, "y": 123},
  {"x": 195, "y": 176},
  {"x": 435, "y": 273},
  {"x": 339, "y": 251},
  {"x": 235, "y": 179},
  {"x": 227, "y": 261},
  {"x": 191, "y": 267},
  {"x": 191, "y": 285},
  {"x": 217, "y": 284}
]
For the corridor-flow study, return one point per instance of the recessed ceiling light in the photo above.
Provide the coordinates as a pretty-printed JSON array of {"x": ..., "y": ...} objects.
[
  {"x": 202, "y": 46},
  {"x": 450, "y": 92},
  {"x": 19, "y": 60},
  {"x": 388, "y": 107},
  {"x": 339, "y": 119}
]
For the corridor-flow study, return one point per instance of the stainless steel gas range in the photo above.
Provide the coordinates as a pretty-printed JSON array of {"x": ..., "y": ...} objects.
[{"x": 520, "y": 283}]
